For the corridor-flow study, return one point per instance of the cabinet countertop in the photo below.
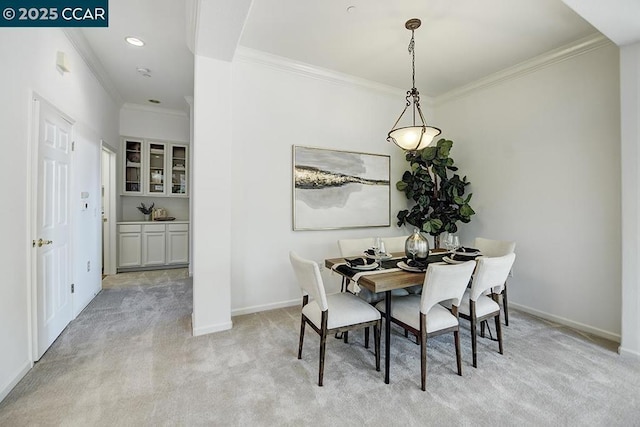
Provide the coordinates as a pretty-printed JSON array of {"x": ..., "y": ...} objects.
[{"x": 177, "y": 221}]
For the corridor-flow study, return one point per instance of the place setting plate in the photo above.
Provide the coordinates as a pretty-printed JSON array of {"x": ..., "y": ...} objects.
[
  {"x": 466, "y": 257},
  {"x": 466, "y": 252},
  {"x": 404, "y": 266},
  {"x": 365, "y": 267}
]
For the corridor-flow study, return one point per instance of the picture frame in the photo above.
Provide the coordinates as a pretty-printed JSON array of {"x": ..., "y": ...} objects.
[{"x": 335, "y": 189}]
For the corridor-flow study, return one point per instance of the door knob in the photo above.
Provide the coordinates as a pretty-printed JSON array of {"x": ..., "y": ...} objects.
[{"x": 44, "y": 242}]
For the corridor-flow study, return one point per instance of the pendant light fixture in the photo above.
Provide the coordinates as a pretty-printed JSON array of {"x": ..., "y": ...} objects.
[{"x": 417, "y": 136}]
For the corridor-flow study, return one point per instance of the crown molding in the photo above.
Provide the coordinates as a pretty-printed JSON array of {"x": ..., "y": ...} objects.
[
  {"x": 81, "y": 45},
  {"x": 247, "y": 55},
  {"x": 579, "y": 47},
  {"x": 153, "y": 109}
]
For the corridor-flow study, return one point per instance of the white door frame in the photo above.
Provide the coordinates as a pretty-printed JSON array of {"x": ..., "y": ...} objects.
[
  {"x": 109, "y": 244},
  {"x": 32, "y": 176}
]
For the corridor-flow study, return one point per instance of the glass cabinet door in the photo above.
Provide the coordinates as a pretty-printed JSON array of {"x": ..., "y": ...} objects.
[
  {"x": 133, "y": 167},
  {"x": 157, "y": 175},
  {"x": 178, "y": 169}
]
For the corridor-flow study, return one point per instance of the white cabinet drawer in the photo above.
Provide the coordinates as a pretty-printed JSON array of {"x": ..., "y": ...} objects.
[
  {"x": 129, "y": 228},
  {"x": 153, "y": 228},
  {"x": 177, "y": 227}
]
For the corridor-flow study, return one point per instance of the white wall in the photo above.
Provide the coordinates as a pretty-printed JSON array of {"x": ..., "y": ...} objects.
[
  {"x": 29, "y": 66},
  {"x": 542, "y": 152},
  {"x": 151, "y": 122},
  {"x": 211, "y": 190},
  {"x": 630, "y": 110},
  {"x": 275, "y": 107},
  {"x": 142, "y": 121}
]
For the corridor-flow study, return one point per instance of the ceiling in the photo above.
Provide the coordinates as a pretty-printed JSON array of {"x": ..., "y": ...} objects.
[
  {"x": 162, "y": 25},
  {"x": 459, "y": 42}
]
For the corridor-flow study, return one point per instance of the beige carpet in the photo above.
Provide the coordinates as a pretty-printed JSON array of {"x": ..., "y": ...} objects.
[{"x": 130, "y": 359}]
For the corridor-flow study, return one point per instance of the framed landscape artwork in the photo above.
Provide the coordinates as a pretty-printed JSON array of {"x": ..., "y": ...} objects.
[{"x": 340, "y": 189}]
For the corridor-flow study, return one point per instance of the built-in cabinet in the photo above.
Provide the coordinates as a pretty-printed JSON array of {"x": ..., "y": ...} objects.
[
  {"x": 154, "y": 245},
  {"x": 177, "y": 243},
  {"x": 133, "y": 167},
  {"x": 153, "y": 168},
  {"x": 129, "y": 245},
  {"x": 146, "y": 245}
]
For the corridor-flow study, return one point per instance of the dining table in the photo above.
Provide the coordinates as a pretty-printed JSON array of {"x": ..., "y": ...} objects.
[{"x": 386, "y": 279}]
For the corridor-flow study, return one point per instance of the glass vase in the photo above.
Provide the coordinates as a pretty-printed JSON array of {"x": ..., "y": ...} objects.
[{"x": 416, "y": 245}]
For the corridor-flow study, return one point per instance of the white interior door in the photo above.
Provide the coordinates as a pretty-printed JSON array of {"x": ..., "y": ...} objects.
[
  {"x": 52, "y": 242},
  {"x": 106, "y": 199},
  {"x": 108, "y": 211}
]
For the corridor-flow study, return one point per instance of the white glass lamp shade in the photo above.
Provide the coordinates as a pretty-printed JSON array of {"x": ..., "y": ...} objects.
[{"x": 413, "y": 137}]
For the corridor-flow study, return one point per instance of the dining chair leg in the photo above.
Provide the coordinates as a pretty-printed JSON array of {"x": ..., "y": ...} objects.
[
  {"x": 376, "y": 342},
  {"x": 302, "y": 324},
  {"x": 472, "y": 306},
  {"x": 505, "y": 305},
  {"x": 499, "y": 332},
  {"x": 423, "y": 351},
  {"x": 456, "y": 339},
  {"x": 366, "y": 337},
  {"x": 323, "y": 345},
  {"x": 482, "y": 328},
  {"x": 387, "y": 336}
]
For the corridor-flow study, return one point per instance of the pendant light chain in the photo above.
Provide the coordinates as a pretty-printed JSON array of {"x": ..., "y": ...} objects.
[
  {"x": 412, "y": 51},
  {"x": 413, "y": 93}
]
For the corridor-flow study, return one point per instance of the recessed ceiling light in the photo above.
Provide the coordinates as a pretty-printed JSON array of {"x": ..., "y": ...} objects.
[
  {"x": 154, "y": 101},
  {"x": 351, "y": 9},
  {"x": 134, "y": 41}
]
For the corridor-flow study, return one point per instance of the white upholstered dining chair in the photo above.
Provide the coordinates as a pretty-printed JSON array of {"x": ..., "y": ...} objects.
[
  {"x": 476, "y": 305},
  {"x": 327, "y": 314},
  {"x": 395, "y": 244},
  {"x": 425, "y": 317},
  {"x": 497, "y": 248}
]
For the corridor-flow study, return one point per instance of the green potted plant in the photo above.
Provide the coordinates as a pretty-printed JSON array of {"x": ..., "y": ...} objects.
[
  {"x": 146, "y": 211},
  {"x": 439, "y": 198}
]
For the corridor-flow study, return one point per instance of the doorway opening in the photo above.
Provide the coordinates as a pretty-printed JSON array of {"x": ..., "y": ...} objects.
[{"x": 108, "y": 185}]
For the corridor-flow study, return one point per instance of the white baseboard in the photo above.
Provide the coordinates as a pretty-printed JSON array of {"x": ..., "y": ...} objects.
[
  {"x": 265, "y": 307},
  {"x": 6, "y": 388},
  {"x": 628, "y": 353},
  {"x": 567, "y": 322},
  {"x": 210, "y": 329}
]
